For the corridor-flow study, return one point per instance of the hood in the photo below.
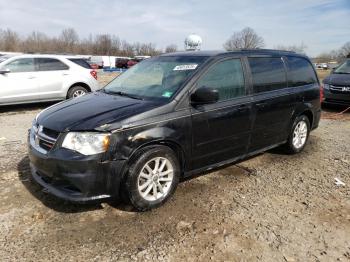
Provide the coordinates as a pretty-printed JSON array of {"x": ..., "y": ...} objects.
[
  {"x": 91, "y": 111},
  {"x": 338, "y": 79}
]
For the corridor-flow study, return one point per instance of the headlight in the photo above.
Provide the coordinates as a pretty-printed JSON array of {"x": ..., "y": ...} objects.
[
  {"x": 326, "y": 86},
  {"x": 87, "y": 143}
]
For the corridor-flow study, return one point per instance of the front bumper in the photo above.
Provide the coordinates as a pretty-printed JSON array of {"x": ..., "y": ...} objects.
[
  {"x": 336, "y": 98},
  {"x": 75, "y": 177}
]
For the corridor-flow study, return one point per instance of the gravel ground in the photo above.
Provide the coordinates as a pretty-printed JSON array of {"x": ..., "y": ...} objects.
[{"x": 272, "y": 207}]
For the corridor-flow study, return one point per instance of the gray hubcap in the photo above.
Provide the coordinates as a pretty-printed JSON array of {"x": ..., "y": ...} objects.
[
  {"x": 300, "y": 134},
  {"x": 78, "y": 93},
  {"x": 155, "y": 179}
]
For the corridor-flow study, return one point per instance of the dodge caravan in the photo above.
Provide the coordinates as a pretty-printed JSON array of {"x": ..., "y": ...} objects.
[{"x": 172, "y": 117}]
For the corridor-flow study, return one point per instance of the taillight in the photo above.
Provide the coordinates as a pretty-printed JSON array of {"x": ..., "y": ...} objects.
[
  {"x": 321, "y": 94},
  {"x": 93, "y": 73}
]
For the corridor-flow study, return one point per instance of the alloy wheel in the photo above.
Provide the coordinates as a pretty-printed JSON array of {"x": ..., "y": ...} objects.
[{"x": 155, "y": 179}]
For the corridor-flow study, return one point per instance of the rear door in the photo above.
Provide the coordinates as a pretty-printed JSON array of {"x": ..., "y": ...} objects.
[
  {"x": 51, "y": 74},
  {"x": 273, "y": 102},
  {"x": 20, "y": 85},
  {"x": 221, "y": 131}
]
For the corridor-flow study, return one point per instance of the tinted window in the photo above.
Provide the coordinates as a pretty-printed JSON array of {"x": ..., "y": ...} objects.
[
  {"x": 227, "y": 77},
  {"x": 51, "y": 64},
  {"x": 268, "y": 73},
  {"x": 81, "y": 62},
  {"x": 300, "y": 72},
  {"x": 21, "y": 65}
]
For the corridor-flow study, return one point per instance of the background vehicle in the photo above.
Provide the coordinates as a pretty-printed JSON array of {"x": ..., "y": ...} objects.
[
  {"x": 35, "y": 78},
  {"x": 173, "y": 117},
  {"x": 336, "y": 86},
  {"x": 122, "y": 62},
  {"x": 132, "y": 62},
  {"x": 96, "y": 62}
]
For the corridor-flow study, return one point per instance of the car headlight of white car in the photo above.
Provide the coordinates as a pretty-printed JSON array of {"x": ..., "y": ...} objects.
[{"x": 87, "y": 143}]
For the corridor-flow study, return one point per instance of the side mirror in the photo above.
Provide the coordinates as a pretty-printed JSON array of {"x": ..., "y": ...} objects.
[
  {"x": 4, "y": 71},
  {"x": 204, "y": 95}
]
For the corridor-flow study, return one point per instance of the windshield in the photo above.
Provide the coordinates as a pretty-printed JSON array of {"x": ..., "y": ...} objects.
[
  {"x": 343, "y": 68},
  {"x": 156, "y": 78},
  {"x": 4, "y": 57}
]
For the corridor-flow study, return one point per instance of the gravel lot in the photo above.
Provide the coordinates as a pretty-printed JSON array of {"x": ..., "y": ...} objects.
[{"x": 272, "y": 207}]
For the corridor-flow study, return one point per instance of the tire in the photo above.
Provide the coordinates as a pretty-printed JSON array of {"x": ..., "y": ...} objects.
[
  {"x": 296, "y": 143},
  {"x": 143, "y": 176},
  {"x": 76, "y": 90}
]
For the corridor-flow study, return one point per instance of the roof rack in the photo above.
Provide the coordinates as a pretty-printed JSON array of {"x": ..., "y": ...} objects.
[{"x": 265, "y": 50}]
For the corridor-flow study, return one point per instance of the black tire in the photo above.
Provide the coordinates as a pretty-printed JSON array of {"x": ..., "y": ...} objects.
[
  {"x": 289, "y": 146},
  {"x": 130, "y": 186},
  {"x": 75, "y": 89}
]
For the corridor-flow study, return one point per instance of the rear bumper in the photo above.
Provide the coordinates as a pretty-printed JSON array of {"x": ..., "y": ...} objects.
[{"x": 74, "y": 177}]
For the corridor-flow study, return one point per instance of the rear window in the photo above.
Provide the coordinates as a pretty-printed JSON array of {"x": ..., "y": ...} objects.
[
  {"x": 300, "y": 72},
  {"x": 51, "y": 64},
  {"x": 81, "y": 62},
  {"x": 268, "y": 73}
]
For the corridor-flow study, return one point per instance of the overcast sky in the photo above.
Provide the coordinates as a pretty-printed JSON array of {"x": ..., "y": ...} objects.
[{"x": 321, "y": 25}]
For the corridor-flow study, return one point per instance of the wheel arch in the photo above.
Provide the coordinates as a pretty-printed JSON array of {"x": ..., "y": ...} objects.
[{"x": 173, "y": 145}]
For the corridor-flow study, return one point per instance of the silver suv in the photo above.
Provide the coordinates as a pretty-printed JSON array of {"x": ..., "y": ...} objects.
[{"x": 36, "y": 78}]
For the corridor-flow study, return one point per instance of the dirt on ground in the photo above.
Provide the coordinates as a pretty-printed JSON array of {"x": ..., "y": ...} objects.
[{"x": 272, "y": 207}]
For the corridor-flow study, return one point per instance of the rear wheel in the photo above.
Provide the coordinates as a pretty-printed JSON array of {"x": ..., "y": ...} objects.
[
  {"x": 77, "y": 91},
  {"x": 153, "y": 177},
  {"x": 299, "y": 135}
]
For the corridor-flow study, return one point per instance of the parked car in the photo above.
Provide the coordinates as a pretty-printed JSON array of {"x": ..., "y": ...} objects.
[
  {"x": 121, "y": 62},
  {"x": 36, "y": 78},
  {"x": 96, "y": 62},
  {"x": 173, "y": 117},
  {"x": 133, "y": 62},
  {"x": 337, "y": 85}
]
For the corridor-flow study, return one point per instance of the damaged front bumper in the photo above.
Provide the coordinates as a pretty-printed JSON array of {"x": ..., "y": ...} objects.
[{"x": 73, "y": 176}]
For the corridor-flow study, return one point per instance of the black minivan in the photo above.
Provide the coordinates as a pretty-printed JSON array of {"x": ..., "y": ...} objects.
[
  {"x": 336, "y": 86},
  {"x": 172, "y": 117}
]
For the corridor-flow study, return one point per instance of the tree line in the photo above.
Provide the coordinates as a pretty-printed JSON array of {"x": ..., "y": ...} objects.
[
  {"x": 69, "y": 42},
  {"x": 249, "y": 39}
]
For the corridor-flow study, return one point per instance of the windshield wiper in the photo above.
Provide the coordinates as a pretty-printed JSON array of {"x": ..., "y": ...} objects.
[
  {"x": 120, "y": 93},
  {"x": 345, "y": 73}
]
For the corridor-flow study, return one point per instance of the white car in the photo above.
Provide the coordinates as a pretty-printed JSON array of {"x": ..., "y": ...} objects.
[{"x": 36, "y": 78}]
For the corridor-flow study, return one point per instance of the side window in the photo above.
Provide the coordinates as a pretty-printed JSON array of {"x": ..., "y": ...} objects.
[
  {"x": 268, "y": 73},
  {"x": 21, "y": 65},
  {"x": 300, "y": 72},
  {"x": 51, "y": 64},
  {"x": 227, "y": 77}
]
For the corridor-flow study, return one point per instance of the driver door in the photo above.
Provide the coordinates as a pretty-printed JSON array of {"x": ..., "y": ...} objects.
[
  {"x": 221, "y": 131},
  {"x": 20, "y": 85}
]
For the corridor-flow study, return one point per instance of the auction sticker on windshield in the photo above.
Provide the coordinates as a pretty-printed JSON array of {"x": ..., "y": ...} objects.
[{"x": 185, "y": 67}]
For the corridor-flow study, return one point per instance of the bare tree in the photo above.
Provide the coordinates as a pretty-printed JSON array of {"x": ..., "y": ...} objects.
[
  {"x": 245, "y": 39},
  {"x": 68, "y": 40},
  {"x": 345, "y": 50},
  {"x": 171, "y": 48},
  {"x": 295, "y": 48},
  {"x": 9, "y": 40}
]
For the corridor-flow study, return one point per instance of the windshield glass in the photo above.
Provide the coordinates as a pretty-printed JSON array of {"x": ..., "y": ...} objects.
[
  {"x": 343, "y": 68},
  {"x": 3, "y": 58},
  {"x": 156, "y": 78}
]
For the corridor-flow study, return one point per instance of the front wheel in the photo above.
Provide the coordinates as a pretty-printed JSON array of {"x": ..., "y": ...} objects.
[
  {"x": 152, "y": 178},
  {"x": 299, "y": 135}
]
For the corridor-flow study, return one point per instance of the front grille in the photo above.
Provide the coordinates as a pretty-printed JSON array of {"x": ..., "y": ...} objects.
[
  {"x": 340, "y": 89},
  {"x": 44, "y": 138},
  {"x": 51, "y": 133}
]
